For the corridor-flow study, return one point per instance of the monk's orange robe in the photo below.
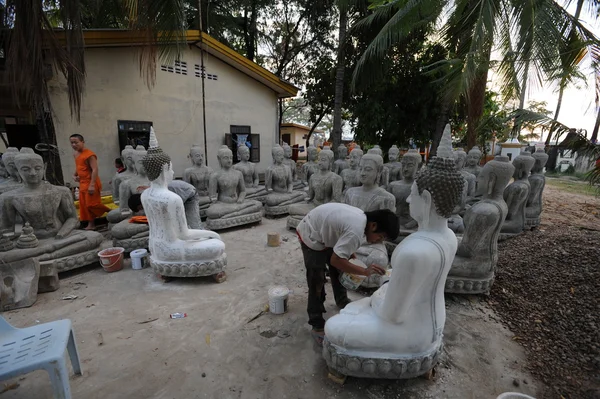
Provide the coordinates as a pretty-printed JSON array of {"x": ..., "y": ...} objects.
[{"x": 90, "y": 206}]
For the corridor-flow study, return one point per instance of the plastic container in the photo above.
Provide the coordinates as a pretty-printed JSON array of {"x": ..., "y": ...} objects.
[
  {"x": 111, "y": 259},
  {"x": 353, "y": 281},
  {"x": 137, "y": 258},
  {"x": 278, "y": 299},
  {"x": 514, "y": 395}
]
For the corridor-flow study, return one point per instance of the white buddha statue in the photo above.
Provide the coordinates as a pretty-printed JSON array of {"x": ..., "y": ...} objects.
[
  {"x": 176, "y": 250},
  {"x": 397, "y": 332}
]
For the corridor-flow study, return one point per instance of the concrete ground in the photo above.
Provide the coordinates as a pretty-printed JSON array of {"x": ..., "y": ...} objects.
[{"x": 130, "y": 348}]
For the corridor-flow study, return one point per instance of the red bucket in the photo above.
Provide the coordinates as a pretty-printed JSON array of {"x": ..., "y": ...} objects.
[{"x": 111, "y": 259}]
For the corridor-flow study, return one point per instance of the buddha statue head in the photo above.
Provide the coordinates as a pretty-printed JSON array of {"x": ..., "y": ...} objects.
[
  {"x": 127, "y": 157},
  {"x": 8, "y": 158},
  {"x": 287, "y": 151},
  {"x": 355, "y": 156},
  {"x": 277, "y": 154},
  {"x": 311, "y": 154},
  {"x": 325, "y": 159},
  {"x": 156, "y": 163},
  {"x": 342, "y": 151},
  {"x": 541, "y": 158},
  {"x": 138, "y": 157},
  {"x": 197, "y": 155},
  {"x": 494, "y": 177},
  {"x": 473, "y": 157},
  {"x": 370, "y": 168},
  {"x": 30, "y": 166},
  {"x": 243, "y": 153},
  {"x": 438, "y": 189},
  {"x": 393, "y": 153},
  {"x": 460, "y": 157},
  {"x": 410, "y": 164},
  {"x": 225, "y": 157},
  {"x": 523, "y": 164},
  {"x": 375, "y": 150}
]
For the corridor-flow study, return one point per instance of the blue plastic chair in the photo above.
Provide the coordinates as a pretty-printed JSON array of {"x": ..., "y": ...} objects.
[{"x": 40, "y": 347}]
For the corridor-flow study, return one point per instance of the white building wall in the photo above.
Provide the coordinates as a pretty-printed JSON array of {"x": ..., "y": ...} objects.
[{"x": 115, "y": 91}]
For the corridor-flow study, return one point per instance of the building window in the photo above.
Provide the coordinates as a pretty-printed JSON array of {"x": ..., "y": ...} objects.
[
  {"x": 242, "y": 135},
  {"x": 179, "y": 68},
  {"x": 133, "y": 133},
  {"x": 198, "y": 72}
]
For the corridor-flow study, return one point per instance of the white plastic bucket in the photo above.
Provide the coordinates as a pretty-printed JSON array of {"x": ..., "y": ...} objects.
[
  {"x": 137, "y": 257},
  {"x": 278, "y": 299},
  {"x": 514, "y": 395},
  {"x": 353, "y": 281}
]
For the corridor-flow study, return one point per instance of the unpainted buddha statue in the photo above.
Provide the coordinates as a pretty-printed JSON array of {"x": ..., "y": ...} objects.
[
  {"x": 394, "y": 166},
  {"x": 118, "y": 178},
  {"x": 3, "y": 172},
  {"x": 397, "y": 332},
  {"x": 287, "y": 160},
  {"x": 310, "y": 166},
  {"x": 461, "y": 157},
  {"x": 176, "y": 250},
  {"x": 411, "y": 162},
  {"x": 279, "y": 184},
  {"x": 14, "y": 180},
  {"x": 455, "y": 222},
  {"x": 537, "y": 181},
  {"x": 254, "y": 191},
  {"x": 350, "y": 175},
  {"x": 473, "y": 268},
  {"x": 324, "y": 186},
  {"x": 473, "y": 159},
  {"x": 51, "y": 215},
  {"x": 384, "y": 177},
  {"x": 199, "y": 176},
  {"x": 341, "y": 163},
  {"x": 227, "y": 192},
  {"x": 516, "y": 194}
]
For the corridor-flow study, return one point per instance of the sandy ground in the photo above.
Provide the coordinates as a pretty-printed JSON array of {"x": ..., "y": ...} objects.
[{"x": 567, "y": 208}]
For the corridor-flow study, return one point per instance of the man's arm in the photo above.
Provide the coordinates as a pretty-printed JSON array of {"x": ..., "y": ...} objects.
[
  {"x": 346, "y": 266},
  {"x": 93, "y": 163}
]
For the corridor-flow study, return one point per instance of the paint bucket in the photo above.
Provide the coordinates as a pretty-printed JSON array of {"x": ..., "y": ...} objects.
[
  {"x": 137, "y": 258},
  {"x": 278, "y": 299},
  {"x": 353, "y": 281},
  {"x": 111, "y": 259},
  {"x": 514, "y": 395}
]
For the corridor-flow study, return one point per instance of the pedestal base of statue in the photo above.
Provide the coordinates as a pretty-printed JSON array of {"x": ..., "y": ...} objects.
[
  {"x": 293, "y": 221},
  {"x": 507, "y": 236},
  {"x": 276, "y": 210},
  {"x": 48, "y": 280},
  {"x": 532, "y": 223},
  {"x": 466, "y": 285},
  {"x": 19, "y": 284},
  {"x": 259, "y": 198},
  {"x": 225, "y": 223},
  {"x": 368, "y": 364},
  {"x": 73, "y": 261},
  {"x": 299, "y": 185},
  {"x": 131, "y": 244},
  {"x": 189, "y": 269}
]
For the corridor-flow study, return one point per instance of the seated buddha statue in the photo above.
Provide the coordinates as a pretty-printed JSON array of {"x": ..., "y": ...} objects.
[
  {"x": 397, "y": 332},
  {"x": 199, "y": 176},
  {"x": 370, "y": 197},
  {"x": 290, "y": 163},
  {"x": 176, "y": 250},
  {"x": 310, "y": 166},
  {"x": 473, "y": 159},
  {"x": 461, "y": 157},
  {"x": 411, "y": 161},
  {"x": 473, "y": 268},
  {"x": 280, "y": 186},
  {"x": 516, "y": 194},
  {"x": 250, "y": 174},
  {"x": 50, "y": 212},
  {"x": 3, "y": 172},
  {"x": 14, "y": 180},
  {"x": 384, "y": 178},
  {"x": 350, "y": 175},
  {"x": 341, "y": 163},
  {"x": 324, "y": 186},
  {"x": 227, "y": 192},
  {"x": 537, "y": 181},
  {"x": 394, "y": 167},
  {"x": 118, "y": 178},
  {"x": 455, "y": 222}
]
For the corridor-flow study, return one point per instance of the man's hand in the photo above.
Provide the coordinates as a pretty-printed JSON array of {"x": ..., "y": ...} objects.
[
  {"x": 91, "y": 190},
  {"x": 374, "y": 269}
]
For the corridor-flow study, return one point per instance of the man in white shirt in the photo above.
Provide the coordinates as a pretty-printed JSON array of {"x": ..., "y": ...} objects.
[{"x": 329, "y": 235}]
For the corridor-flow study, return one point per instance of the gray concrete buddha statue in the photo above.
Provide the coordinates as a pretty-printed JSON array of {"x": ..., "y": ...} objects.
[
  {"x": 394, "y": 167},
  {"x": 455, "y": 222},
  {"x": 397, "y": 332},
  {"x": 341, "y": 163},
  {"x": 227, "y": 192},
  {"x": 280, "y": 186},
  {"x": 14, "y": 180},
  {"x": 473, "y": 268},
  {"x": 199, "y": 176},
  {"x": 310, "y": 166},
  {"x": 118, "y": 178},
  {"x": 287, "y": 160},
  {"x": 350, "y": 175},
  {"x": 324, "y": 186},
  {"x": 472, "y": 162},
  {"x": 3, "y": 172},
  {"x": 461, "y": 157},
  {"x": 254, "y": 191},
  {"x": 52, "y": 217},
  {"x": 537, "y": 181},
  {"x": 384, "y": 177},
  {"x": 516, "y": 194},
  {"x": 411, "y": 162},
  {"x": 175, "y": 249}
]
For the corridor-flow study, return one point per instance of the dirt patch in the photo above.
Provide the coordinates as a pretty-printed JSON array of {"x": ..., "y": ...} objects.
[{"x": 564, "y": 208}]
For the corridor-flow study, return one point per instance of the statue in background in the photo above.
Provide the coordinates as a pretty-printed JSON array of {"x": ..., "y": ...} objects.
[
  {"x": 393, "y": 166},
  {"x": 455, "y": 221},
  {"x": 310, "y": 166},
  {"x": 14, "y": 180},
  {"x": 472, "y": 162},
  {"x": 384, "y": 177},
  {"x": 199, "y": 176},
  {"x": 341, "y": 163},
  {"x": 279, "y": 184},
  {"x": 287, "y": 160},
  {"x": 537, "y": 182},
  {"x": 411, "y": 162},
  {"x": 350, "y": 175},
  {"x": 516, "y": 194},
  {"x": 397, "y": 332},
  {"x": 129, "y": 172},
  {"x": 253, "y": 190}
]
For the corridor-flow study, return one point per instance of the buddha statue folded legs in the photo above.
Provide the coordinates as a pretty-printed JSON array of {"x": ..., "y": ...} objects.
[
  {"x": 279, "y": 184},
  {"x": 397, "y": 333},
  {"x": 515, "y": 196}
]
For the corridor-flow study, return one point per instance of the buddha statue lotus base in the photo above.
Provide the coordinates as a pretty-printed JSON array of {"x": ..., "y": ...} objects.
[
  {"x": 190, "y": 269},
  {"x": 532, "y": 223},
  {"x": 131, "y": 244},
  {"x": 364, "y": 364},
  {"x": 225, "y": 223},
  {"x": 293, "y": 221},
  {"x": 466, "y": 285}
]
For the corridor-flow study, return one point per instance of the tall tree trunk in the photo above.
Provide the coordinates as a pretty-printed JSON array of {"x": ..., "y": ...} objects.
[
  {"x": 517, "y": 127},
  {"x": 336, "y": 132},
  {"x": 203, "y": 4},
  {"x": 594, "y": 138},
  {"x": 558, "y": 105},
  {"x": 251, "y": 49},
  {"x": 280, "y": 101},
  {"x": 476, "y": 100}
]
